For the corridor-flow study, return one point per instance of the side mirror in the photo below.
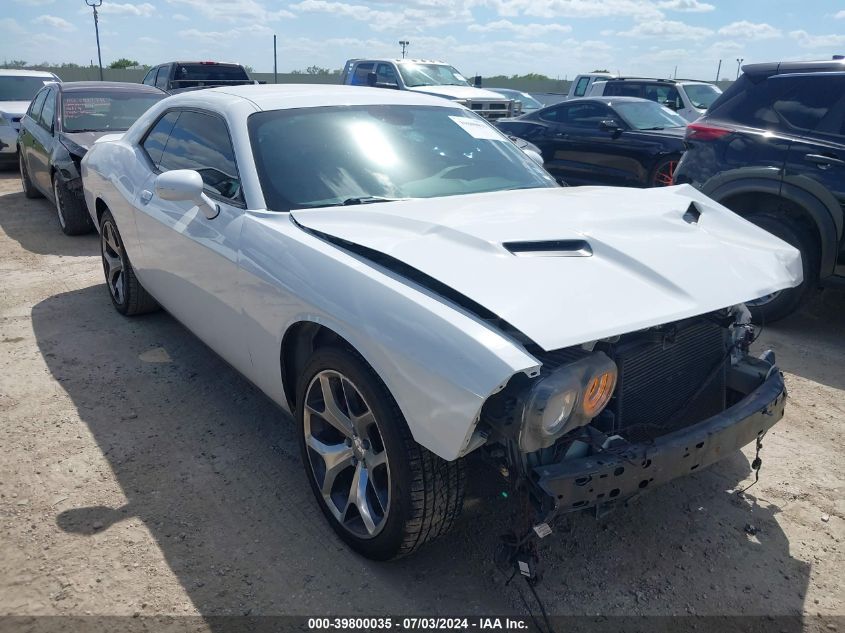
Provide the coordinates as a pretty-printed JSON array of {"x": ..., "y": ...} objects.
[
  {"x": 476, "y": 81},
  {"x": 372, "y": 79},
  {"x": 185, "y": 185},
  {"x": 537, "y": 158},
  {"x": 609, "y": 125}
]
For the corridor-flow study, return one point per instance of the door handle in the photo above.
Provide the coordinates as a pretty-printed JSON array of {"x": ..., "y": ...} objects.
[
  {"x": 822, "y": 161},
  {"x": 146, "y": 196}
]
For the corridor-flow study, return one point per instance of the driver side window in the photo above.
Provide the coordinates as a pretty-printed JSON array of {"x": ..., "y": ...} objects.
[{"x": 201, "y": 142}]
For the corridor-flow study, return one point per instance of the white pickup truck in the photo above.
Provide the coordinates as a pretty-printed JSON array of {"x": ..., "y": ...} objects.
[{"x": 428, "y": 77}]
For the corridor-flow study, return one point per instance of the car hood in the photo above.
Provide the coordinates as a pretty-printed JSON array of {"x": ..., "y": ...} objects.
[
  {"x": 625, "y": 259},
  {"x": 460, "y": 92},
  {"x": 85, "y": 139},
  {"x": 14, "y": 108}
]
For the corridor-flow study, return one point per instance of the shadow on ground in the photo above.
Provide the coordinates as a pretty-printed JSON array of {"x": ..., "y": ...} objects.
[
  {"x": 211, "y": 466},
  {"x": 33, "y": 223}
]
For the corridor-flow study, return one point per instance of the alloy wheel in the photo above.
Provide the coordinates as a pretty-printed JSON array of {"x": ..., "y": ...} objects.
[
  {"x": 665, "y": 174},
  {"x": 346, "y": 454},
  {"x": 114, "y": 263}
]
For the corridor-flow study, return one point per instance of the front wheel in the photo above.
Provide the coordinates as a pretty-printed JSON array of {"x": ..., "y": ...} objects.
[
  {"x": 127, "y": 294},
  {"x": 777, "y": 305},
  {"x": 383, "y": 494},
  {"x": 71, "y": 209}
]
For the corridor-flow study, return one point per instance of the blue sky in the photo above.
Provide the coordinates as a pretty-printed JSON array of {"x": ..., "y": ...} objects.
[{"x": 559, "y": 38}]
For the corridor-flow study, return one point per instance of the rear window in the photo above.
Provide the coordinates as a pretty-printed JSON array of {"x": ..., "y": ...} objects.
[
  {"x": 21, "y": 88},
  {"x": 209, "y": 72},
  {"x": 782, "y": 102},
  {"x": 103, "y": 110}
]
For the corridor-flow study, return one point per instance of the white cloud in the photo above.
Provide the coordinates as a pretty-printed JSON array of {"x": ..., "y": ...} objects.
[
  {"x": 241, "y": 10},
  {"x": 55, "y": 22},
  {"x": 689, "y": 6},
  {"x": 667, "y": 30},
  {"x": 750, "y": 30},
  {"x": 806, "y": 40},
  {"x": 225, "y": 38},
  {"x": 11, "y": 26},
  {"x": 520, "y": 30},
  {"x": 144, "y": 9},
  {"x": 34, "y": 3},
  {"x": 840, "y": 15},
  {"x": 640, "y": 9},
  {"x": 414, "y": 15}
]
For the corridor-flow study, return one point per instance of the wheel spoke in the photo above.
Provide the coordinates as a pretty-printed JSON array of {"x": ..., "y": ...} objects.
[
  {"x": 336, "y": 457},
  {"x": 333, "y": 413},
  {"x": 358, "y": 497},
  {"x": 362, "y": 423},
  {"x": 376, "y": 459}
]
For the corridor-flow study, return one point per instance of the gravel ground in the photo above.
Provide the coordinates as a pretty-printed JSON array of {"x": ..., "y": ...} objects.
[{"x": 142, "y": 475}]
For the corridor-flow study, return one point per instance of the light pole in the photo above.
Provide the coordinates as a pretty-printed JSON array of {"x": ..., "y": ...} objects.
[
  {"x": 739, "y": 61},
  {"x": 94, "y": 4},
  {"x": 404, "y": 44}
]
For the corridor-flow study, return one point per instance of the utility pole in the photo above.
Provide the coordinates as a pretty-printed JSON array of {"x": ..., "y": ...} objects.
[
  {"x": 94, "y": 4},
  {"x": 739, "y": 61},
  {"x": 676, "y": 73},
  {"x": 275, "y": 62},
  {"x": 404, "y": 44},
  {"x": 718, "y": 70}
]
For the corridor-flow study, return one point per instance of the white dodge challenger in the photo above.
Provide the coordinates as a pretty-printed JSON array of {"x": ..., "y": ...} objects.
[{"x": 412, "y": 287}]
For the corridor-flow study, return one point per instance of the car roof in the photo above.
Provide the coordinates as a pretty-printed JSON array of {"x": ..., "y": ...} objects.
[
  {"x": 204, "y": 63},
  {"x": 398, "y": 61},
  {"x": 607, "y": 100},
  {"x": 77, "y": 86},
  {"x": 285, "y": 96},
  {"x": 780, "y": 68},
  {"x": 662, "y": 81},
  {"x": 15, "y": 72}
]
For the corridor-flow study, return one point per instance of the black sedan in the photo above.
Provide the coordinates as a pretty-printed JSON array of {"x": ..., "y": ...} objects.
[
  {"x": 620, "y": 141},
  {"x": 63, "y": 121}
]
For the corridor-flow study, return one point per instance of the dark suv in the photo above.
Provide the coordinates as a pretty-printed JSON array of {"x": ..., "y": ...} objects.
[{"x": 772, "y": 149}]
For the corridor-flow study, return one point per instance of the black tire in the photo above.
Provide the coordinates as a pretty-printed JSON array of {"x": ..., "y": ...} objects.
[
  {"x": 781, "y": 304},
  {"x": 71, "y": 209},
  {"x": 127, "y": 294},
  {"x": 663, "y": 173},
  {"x": 426, "y": 492},
  {"x": 29, "y": 189}
]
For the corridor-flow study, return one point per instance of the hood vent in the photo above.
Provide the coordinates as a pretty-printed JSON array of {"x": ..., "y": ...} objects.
[
  {"x": 693, "y": 214},
  {"x": 550, "y": 248}
]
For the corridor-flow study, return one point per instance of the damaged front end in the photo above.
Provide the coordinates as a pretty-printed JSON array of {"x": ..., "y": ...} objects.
[{"x": 607, "y": 420}]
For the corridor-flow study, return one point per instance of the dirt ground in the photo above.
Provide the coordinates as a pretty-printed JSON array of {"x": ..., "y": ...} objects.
[{"x": 139, "y": 474}]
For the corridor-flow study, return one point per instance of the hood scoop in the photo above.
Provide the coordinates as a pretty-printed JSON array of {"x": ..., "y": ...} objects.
[{"x": 550, "y": 248}]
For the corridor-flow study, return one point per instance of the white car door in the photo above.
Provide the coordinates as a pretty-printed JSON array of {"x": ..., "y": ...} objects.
[{"x": 188, "y": 262}]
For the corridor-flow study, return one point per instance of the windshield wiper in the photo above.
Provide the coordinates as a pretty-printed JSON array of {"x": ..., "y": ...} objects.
[{"x": 367, "y": 200}]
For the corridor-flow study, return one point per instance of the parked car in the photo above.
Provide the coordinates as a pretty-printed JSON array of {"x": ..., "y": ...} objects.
[
  {"x": 427, "y": 77},
  {"x": 397, "y": 274},
  {"x": 618, "y": 141},
  {"x": 62, "y": 123},
  {"x": 580, "y": 86},
  {"x": 524, "y": 103},
  {"x": 17, "y": 88},
  {"x": 176, "y": 76},
  {"x": 688, "y": 98},
  {"x": 772, "y": 149}
]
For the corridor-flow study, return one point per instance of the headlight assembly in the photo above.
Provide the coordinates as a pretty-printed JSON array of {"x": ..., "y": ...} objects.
[{"x": 569, "y": 397}]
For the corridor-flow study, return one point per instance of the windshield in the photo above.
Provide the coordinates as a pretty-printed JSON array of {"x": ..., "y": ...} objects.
[
  {"x": 334, "y": 155},
  {"x": 21, "y": 88},
  {"x": 647, "y": 115},
  {"x": 101, "y": 111},
  {"x": 414, "y": 74},
  {"x": 702, "y": 96},
  {"x": 528, "y": 102}
]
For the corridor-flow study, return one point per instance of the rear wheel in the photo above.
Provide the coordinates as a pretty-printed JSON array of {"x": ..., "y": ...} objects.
[
  {"x": 664, "y": 173},
  {"x": 71, "y": 209},
  {"x": 127, "y": 294},
  {"x": 779, "y": 304},
  {"x": 29, "y": 189},
  {"x": 383, "y": 494}
]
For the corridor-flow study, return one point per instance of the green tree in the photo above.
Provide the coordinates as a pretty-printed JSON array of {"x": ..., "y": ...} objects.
[
  {"x": 123, "y": 63},
  {"x": 603, "y": 70},
  {"x": 14, "y": 63}
]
